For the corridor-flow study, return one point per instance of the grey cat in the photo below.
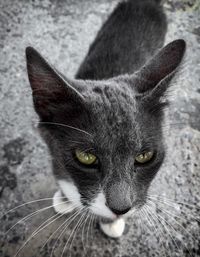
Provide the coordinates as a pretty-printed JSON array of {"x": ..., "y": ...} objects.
[{"x": 104, "y": 128}]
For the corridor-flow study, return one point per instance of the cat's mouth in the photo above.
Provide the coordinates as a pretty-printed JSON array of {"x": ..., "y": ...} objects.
[
  {"x": 63, "y": 205},
  {"x": 71, "y": 200}
]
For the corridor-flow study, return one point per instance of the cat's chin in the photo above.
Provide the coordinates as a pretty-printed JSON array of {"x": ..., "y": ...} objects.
[{"x": 113, "y": 229}]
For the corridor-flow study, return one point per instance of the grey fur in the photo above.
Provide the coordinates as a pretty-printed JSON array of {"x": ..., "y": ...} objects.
[{"x": 119, "y": 104}]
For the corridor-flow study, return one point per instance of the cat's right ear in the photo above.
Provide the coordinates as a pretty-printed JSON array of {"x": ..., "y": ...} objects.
[
  {"x": 51, "y": 92},
  {"x": 153, "y": 79}
]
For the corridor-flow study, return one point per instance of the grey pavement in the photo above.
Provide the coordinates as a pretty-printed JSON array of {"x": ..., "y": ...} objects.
[{"x": 62, "y": 32}]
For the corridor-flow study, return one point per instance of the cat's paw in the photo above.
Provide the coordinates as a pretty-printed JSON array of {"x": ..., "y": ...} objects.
[
  {"x": 59, "y": 204},
  {"x": 114, "y": 229}
]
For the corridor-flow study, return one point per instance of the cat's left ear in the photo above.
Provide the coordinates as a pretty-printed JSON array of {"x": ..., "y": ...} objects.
[
  {"x": 52, "y": 94},
  {"x": 153, "y": 79}
]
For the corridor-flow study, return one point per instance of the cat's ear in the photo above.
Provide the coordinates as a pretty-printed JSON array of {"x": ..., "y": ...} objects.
[
  {"x": 50, "y": 90},
  {"x": 153, "y": 79}
]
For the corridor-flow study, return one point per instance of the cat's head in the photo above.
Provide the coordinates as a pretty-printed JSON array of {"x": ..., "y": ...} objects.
[{"x": 105, "y": 137}]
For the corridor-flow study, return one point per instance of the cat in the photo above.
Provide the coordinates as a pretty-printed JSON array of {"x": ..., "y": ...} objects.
[{"x": 104, "y": 128}]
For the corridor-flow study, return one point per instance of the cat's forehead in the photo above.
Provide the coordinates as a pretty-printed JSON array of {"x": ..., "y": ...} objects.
[
  {"x": 119, "y": 119},
  {"x": 116, "y": 100},
  {"x": 114, "y": 111}
]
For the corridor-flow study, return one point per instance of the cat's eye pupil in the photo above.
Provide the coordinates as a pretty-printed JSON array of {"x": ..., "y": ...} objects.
[
  {"x": 85, "y": 158},
  {"x": 144, "y": 157}
]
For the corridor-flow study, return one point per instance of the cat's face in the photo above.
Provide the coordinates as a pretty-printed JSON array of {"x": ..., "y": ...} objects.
[
  {"x": 105, "y": 137},
  {"x": 118, "y": 132}
]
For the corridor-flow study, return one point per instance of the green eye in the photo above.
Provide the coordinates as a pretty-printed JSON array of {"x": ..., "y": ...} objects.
[
  {"x": 85, "y": 158},
  {"x": 144, "y": 157}
]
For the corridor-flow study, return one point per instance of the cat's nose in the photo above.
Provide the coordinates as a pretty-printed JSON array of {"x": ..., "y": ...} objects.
[
  {"x": 121, "y": 211},
  {"x": 118, "y": 197}
]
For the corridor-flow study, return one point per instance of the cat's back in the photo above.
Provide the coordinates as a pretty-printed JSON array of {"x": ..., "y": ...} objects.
[{"x": 132, "y": 33}]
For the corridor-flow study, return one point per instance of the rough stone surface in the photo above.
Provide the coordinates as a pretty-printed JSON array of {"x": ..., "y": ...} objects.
[{"x": 62, "y": 31}]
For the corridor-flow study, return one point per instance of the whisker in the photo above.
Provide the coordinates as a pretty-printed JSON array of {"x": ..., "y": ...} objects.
[
  {"x": 170, "y": 215},
  {"x": 72, "y": 233},
  {"x": 160, "y": 218},
  {"x": 155, "y": 229},
  {"x": 68, "y": 221},
  {"x": 75, "y": 231},
  {"x": 39, "y": 229},
  {"x": 33, "y": 214},
  {"x": 87, "y": 233},
  {"x": 55, "y": 231},
  {"x": 21, "y": 205},
  {"x": 82, "y": 237},
  {"x": 77, "y": 142},
  {"x": 92, "y": 223},
  {"x": 140, "y": 223},
  {"x": 172, "y": 206},
  {"x": 176, "y": 231},
  {"x": 54, "y": 217},
  {"x": 67, "y": 126},
  {"x": 94, "y": 217},
  {"x": 173, "y": 201},
  {"x": 146, "y": 216}
]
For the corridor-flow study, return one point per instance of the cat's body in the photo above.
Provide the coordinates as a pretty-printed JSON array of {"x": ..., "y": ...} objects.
[
  {"x": 130, "y": 37},
  {"x": 104, "y": 129}
]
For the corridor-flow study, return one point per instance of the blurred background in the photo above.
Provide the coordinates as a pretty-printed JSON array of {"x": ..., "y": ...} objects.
[{"x": 62, "y": 31}]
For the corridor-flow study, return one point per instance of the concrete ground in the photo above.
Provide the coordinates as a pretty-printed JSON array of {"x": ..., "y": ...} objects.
[{"x": 62, "y": 31}]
